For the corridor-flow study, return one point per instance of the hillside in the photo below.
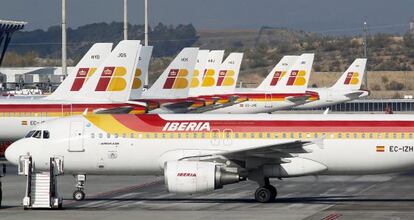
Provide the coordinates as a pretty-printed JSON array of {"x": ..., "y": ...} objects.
[
  {"x": 45, "y": 44},
  {"x": 390, "y": 57}
]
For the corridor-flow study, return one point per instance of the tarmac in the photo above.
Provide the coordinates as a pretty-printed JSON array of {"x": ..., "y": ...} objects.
[{"x": 145, "y": 197}]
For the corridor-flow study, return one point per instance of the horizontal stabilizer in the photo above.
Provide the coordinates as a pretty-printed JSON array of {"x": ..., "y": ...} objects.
[
  {"x": 298, "y": 100},
  {"x": 354, "y": 95}
]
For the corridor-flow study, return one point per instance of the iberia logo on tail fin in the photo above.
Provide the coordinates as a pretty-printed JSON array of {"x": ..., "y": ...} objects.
[
  {"x": 199, "y": 69},
  {"x": 226, "y": 78},
  {"x": 177, "y": 79},
  {"x": 297, "y": 78},
  {"x": 112, "y": 79},
  {"x": 277, "y": 77},
  {"x": 278, "y": 73},
  {"x": 228, "y": 74},
  {"x": 174, "y": 82},
  {"x": 81, "y": 77},
  {"x": 77, "y": 78},
  {"x": 352, "y": 78}
]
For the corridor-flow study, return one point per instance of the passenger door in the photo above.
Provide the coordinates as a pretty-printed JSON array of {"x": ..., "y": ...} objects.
[
  {"x": 268, "y": 100},
  {"x": 66, "y": 110}
]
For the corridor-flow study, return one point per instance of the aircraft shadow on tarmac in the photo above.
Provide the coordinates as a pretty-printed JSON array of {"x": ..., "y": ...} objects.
[{"x": 304, "y": 200}]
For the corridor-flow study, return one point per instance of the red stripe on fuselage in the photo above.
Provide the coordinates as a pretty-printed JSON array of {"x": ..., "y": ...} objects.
[
  {"x": 154, "y": 123},
  {"x": 59, "y": 107}
]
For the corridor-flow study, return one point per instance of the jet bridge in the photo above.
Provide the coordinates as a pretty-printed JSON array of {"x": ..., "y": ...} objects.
[
  {"x": 7, "y": 28},
  {"x": 41, "y": 187}
]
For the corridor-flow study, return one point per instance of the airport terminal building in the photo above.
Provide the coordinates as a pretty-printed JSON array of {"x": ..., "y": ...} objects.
[{"x": 373, "y": 105}]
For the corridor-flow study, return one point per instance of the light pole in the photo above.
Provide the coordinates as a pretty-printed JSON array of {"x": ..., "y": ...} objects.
[
  {"x": 64, "y": 67},
  {"x": 365, "y": 29},
  {"x": 125, "y": 19},
  {"x": 146, "y": 22}
]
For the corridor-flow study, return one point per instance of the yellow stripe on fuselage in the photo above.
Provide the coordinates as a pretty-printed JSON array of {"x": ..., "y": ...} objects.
[{"x": 108, "y": 124}]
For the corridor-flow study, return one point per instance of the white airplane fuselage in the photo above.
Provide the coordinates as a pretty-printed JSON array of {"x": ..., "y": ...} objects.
[
  {"x": 329, "y": 96},
  {"x": 140, "y": 145},
  {"x": 18, "y": 116}
]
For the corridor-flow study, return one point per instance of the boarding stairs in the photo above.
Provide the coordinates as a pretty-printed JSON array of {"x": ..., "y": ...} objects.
[{"x": 41, "y": 186}]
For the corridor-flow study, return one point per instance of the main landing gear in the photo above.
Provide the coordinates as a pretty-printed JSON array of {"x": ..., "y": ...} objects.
[
  {"x": 266, "y": 192},
  {"x": 79, "y": 194}
]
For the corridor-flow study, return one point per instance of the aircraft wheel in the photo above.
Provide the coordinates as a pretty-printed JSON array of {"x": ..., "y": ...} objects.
[
  {"x": 273, "y": 192},
  {"x": 263, "y": 195},
  {"x": 78, "y": 195}
]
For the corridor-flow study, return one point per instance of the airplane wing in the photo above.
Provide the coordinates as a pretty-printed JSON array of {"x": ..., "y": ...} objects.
[{"x": 273, "y": 152}]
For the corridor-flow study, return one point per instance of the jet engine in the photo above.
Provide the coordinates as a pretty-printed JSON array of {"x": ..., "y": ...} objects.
[{"x": 197, "y": 176}]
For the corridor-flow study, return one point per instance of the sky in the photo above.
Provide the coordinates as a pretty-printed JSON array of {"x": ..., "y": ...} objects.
[{"x": 323, "y": 16}]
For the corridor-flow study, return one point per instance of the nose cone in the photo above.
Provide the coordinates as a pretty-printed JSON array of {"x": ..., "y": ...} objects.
[{"x": 12, "y": 153}]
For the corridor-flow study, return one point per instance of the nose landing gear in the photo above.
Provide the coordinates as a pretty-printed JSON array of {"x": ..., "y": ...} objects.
[{"x": 79, "y": 194}]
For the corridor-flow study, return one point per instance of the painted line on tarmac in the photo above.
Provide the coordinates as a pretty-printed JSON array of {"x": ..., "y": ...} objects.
[{"x": 116, "y": 191}]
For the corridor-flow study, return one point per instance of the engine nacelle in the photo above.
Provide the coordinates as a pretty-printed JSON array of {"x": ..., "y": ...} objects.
[{"x": 196, "y": 176}]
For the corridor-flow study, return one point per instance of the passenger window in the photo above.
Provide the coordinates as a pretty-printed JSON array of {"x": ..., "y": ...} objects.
[
  {"x": 100, "y": 135},
  {"x": 46, "y": 135},
  {"x": 29, "y": 134},
  {"x": 116, "y": 135},
  {"x": 92, "y": 135},
  {"x": 37, "y": 134}
]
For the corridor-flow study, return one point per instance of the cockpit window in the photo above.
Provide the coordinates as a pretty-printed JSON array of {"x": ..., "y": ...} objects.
[
  {"x": 37, "y": 134},
  {"x": 46, "y": 134},
  {"x": 29, "y": 134}
]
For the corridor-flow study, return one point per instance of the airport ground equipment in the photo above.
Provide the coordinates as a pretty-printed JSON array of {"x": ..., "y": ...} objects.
[{"x": 41, "y": 187}]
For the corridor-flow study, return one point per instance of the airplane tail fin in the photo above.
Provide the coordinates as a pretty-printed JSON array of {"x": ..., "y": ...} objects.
[
  {"x": 85, "y": 68},
  {"x": 351, "y": 79},
  {"x": 114, "y": 77},
  {"x": 297, "y": 77},
  {"x": 198, "y": 74},
  {"x": 277, "y": 73},
  {"x": 228, "y": 74},
  {"x": 208, "y": 75},
  {"x": 175, "y": 81},
  {"x": 141, "y": 72}
]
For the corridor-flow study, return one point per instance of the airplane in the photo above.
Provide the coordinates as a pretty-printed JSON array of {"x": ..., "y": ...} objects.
[
  {"x": 347, "y": 88},
  {"x": 276, "y": 92},
  {"x": 201, "y": 154},
  {"x": 106, "y": 91},
  {"x": 172, "y": 91}
]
